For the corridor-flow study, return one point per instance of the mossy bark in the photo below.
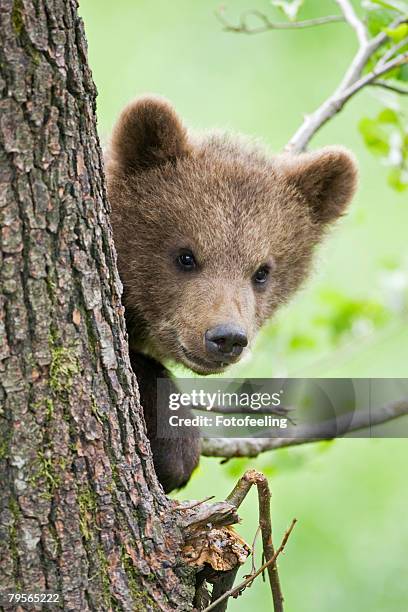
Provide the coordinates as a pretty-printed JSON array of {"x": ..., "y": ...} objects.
[{"x": 81, "y": 512}]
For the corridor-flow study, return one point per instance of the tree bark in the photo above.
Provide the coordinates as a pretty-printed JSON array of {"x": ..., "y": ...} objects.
[{"x": 81, "y": 511}]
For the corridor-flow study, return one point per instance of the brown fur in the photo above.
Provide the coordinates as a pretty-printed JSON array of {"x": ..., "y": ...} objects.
[{"x": 233, "y": 206}]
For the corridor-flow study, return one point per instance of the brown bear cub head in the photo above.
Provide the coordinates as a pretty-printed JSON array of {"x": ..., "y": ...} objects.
[{"x": 212, "y": 234}]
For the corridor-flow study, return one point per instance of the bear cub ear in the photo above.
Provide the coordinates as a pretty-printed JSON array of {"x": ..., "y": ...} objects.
[
  {"x": 327, "y": 179},
  {"x": 147, "y": 133}
]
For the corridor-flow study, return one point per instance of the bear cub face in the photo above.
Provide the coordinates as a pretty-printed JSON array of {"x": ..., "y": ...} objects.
[{"x": 212, "y": 234}]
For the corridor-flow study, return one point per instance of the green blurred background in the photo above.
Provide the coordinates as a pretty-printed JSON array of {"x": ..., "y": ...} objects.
[{"x": 349, "y": 550}]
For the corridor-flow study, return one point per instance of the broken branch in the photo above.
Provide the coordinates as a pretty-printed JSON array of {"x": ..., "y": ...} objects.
[{"x": 248, "y": 581}]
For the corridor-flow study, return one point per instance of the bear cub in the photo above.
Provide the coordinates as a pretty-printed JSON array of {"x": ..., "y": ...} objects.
[{"x": 212, "y": 236}]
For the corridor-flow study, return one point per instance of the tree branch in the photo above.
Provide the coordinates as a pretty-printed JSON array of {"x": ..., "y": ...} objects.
[
  {"x": 268, "y": 25},
  {"x": 403, "y": 91},
  {"x": 351, "y": 17},
  {"x": 392, "y": 51},
  {"x": 350, "y": 85},
  {"x": 352, "y": 81},
  {"x": 251, "y": 447},
  {"x": 379, "y": 70}
]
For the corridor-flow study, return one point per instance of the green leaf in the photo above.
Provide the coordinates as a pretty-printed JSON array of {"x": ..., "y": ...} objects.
[
  {"x": 289, "y": 8},
  {"x": 378, "y": 20},
  {"x": 342, "y": 313},
  {"x": 299, "y": 342},
  {"x": 388, "y": 115},
  {"x": 397, "y": 34},
  {"x": 375, "y": 137},
  {"x": 403, "y": 73},
  {"x": 387, "y": 136},
  {"x": 390, "y": 263}
]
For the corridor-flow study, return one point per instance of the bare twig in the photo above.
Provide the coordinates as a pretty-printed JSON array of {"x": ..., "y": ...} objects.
[
  {"x": 392, "y": 51},
  {"x": 248, "y": 581},
  {"x": 374, "y": 74},
  {"x": 336, "y": 102},
  {"x": 251, "y": 447},
  {"x": 351, "y": 17},
  {"x": 236, "y": 497},
  {"x": 351, "y": 83},
  {"x": 267, "y": 24},
  {"x": 258, "y": 529},
  {"x": 182, "y": 508},
  {"x": 390, "y": 86}
]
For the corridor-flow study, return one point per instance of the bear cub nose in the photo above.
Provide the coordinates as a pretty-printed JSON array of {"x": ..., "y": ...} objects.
[{"x": 225, "y": 342}]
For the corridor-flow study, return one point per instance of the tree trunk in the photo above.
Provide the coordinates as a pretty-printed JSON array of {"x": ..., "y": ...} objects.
[{"x": 81, "y": 512}]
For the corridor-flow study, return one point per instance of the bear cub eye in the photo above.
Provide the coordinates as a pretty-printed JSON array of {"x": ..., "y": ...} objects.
[
  {"x": 186, "y": 261},
  {"x": 261, "y": 275}
]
